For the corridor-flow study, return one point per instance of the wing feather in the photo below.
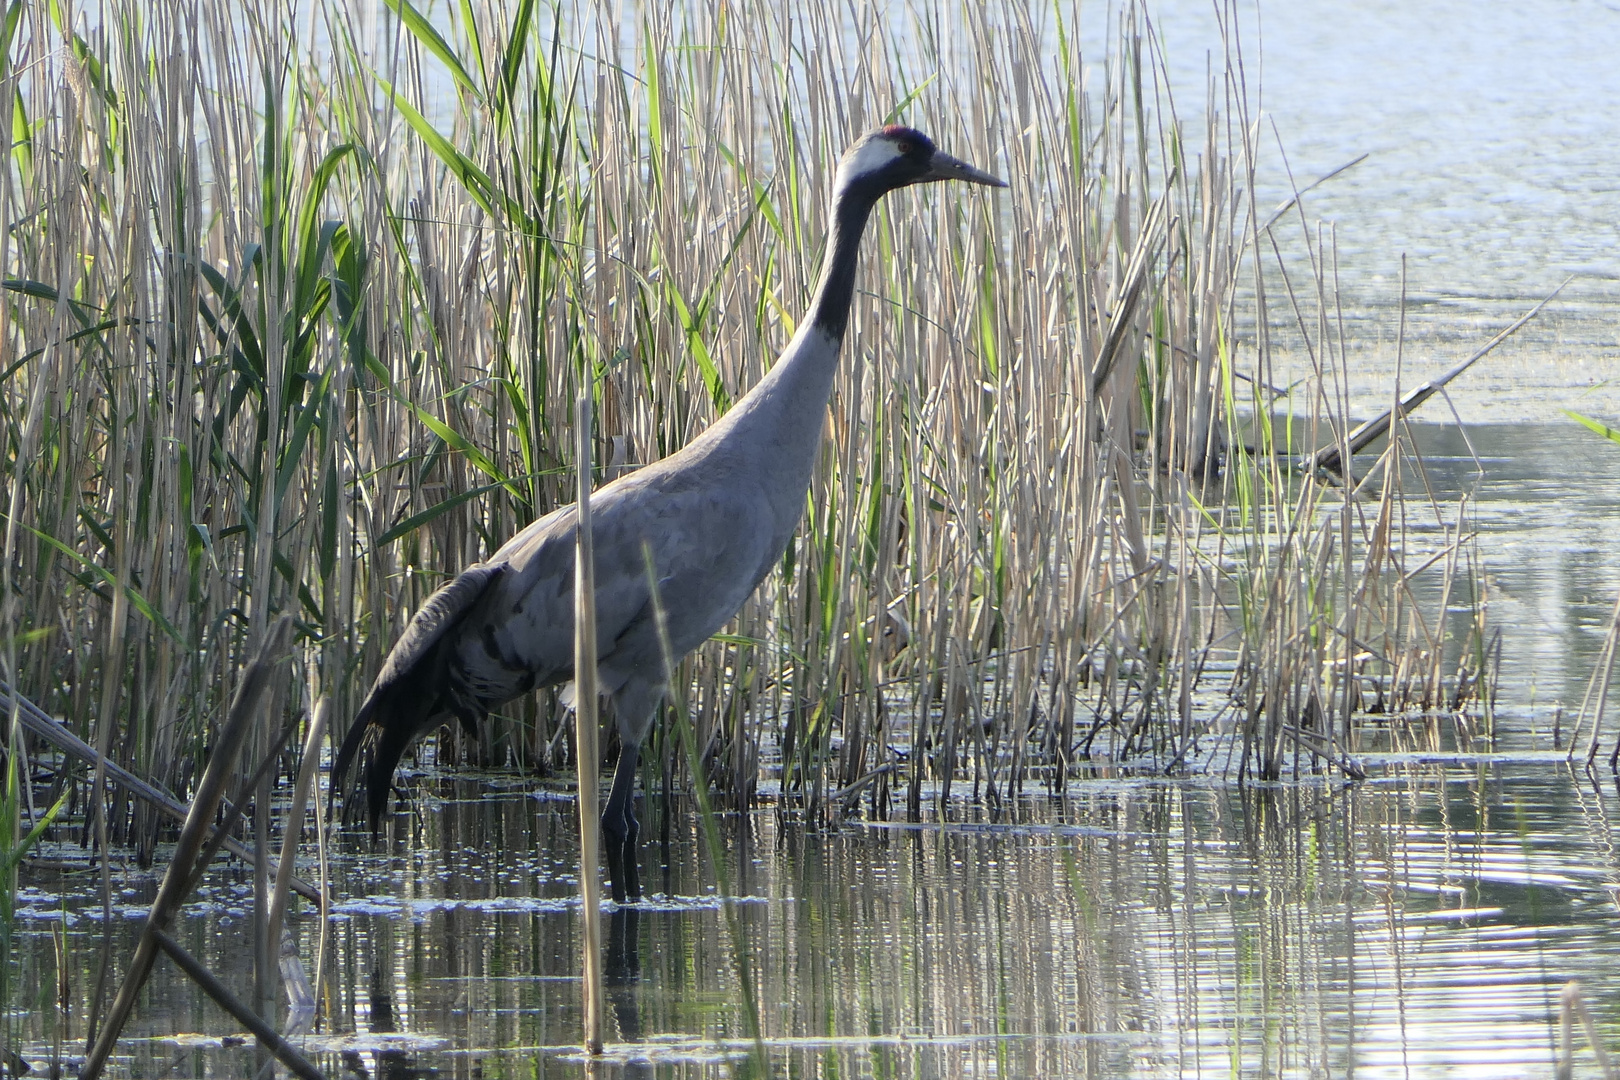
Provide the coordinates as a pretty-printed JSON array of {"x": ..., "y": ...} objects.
[{"x": 506, "y": 625}]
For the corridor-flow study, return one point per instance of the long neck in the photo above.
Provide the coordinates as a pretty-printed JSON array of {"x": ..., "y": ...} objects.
[
  {"x": 773, "y": 433},
  {"x": 829, "y": 311}
]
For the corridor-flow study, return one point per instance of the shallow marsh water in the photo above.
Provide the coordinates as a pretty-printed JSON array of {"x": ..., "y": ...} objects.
[{"x": 1421, "y": 923}]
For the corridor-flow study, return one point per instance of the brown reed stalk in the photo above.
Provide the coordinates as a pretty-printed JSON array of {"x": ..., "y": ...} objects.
[{"x": 314, "y": 344}]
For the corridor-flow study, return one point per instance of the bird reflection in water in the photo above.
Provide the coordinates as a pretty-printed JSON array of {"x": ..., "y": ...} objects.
[
  {"x": 621, "y": 981},
  {"x": 621, "y": 970}
]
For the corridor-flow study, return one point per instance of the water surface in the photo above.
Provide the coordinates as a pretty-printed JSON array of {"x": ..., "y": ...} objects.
[
  {"x": 1422, "y": 923},
  {"x": 1489, "y": 133},
  {"x": 1419, "y": 924}
]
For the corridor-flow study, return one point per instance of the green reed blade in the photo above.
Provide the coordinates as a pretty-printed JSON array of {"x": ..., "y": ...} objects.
[{"x": 429, "y": 38}]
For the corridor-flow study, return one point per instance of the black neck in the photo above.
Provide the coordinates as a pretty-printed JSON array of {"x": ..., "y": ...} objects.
[{"x": 830, "y": 309}]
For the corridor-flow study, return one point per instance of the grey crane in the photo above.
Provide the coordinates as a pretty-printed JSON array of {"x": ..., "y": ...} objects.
[{"x": 717, "y": 516}]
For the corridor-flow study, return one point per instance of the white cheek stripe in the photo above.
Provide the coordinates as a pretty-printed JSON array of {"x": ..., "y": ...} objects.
[{"x": 871, "y": 157}]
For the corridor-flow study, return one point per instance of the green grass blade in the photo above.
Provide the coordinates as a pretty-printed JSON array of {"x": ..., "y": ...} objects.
[
  {"x": 9, "y": 33},
  {"x": 308, "y": 414},
  {"x": 139, "y": 602},
  {"x": 26, "y": 844},
  {"x": 475, "y": 40},
  {"x": 475, "y": 180},
  {"x": 512, "y": 61},
  {"x": 455, "y": 441},
  {"x": 895, "y": 113},
  {"x": 315, "y": 236},
  {"x": 429, "y": 38},
  {"x": 1601, "y": 428},
  {"x": 438, "y": 509},
  {"x": 700, "y": 351}
]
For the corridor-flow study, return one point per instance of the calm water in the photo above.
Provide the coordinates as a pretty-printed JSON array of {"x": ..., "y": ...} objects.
[
  {"x": 1543, "y": 500},
  {"x": 1421, "y": 923},
  {"x": 1489, "y": 130}
]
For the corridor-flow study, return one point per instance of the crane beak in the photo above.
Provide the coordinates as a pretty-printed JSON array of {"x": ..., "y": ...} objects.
[{"x": 945, "y": 167}]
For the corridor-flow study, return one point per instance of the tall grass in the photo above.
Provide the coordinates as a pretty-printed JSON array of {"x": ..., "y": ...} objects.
[{"x": 297, "y": 301}]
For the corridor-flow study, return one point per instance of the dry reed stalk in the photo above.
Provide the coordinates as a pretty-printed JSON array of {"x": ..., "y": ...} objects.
[
  {"x": 180, "y": 877},
  {"x": 587, "y": 757},
  {"x": 1572, "y": 1004},
  {"x": 282, "y": 1050},
  {"x": 1595, "y": 700},
  {"x": 293, "y": 828},
  {"x": 37, "y": 723}
]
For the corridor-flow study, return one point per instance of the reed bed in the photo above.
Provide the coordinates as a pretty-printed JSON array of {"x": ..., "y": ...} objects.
[{"x": 298, "y": 300}]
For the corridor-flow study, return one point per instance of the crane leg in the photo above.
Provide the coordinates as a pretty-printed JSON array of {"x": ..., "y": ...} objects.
[{"x": 619, "y": 827}]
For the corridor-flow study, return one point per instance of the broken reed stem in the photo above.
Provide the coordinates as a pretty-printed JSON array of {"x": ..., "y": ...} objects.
[
  {"x": 1595, "y": 699},
  {"x": 1332, "y": 458},
  {"x": 237, "y": 805},
  {"x": 179, "y": 877},
  {"x": 38, "y": 722},
  {"x": 294, "y": 827},
  {"x": 228, "y": 1001},
  {"x": 324, "y": 917},
  {"x": 585, "y": 730}
]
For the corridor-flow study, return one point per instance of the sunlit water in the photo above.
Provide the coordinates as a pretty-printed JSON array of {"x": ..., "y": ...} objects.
[
  {"x": 1489, "y": 134},
  {"x": 1422, "y": 923}
]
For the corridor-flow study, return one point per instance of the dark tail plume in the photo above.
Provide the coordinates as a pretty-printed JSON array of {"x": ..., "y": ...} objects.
[
  {"x": 378, "y": 739},
  {"x": 410, "y": 698}
]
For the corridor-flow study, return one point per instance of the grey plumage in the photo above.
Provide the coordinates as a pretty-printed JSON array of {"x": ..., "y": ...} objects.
[{"x": 717, "y": 516}]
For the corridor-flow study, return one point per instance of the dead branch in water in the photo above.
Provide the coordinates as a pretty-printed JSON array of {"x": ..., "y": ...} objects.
[
  {"x": 177, "y": 880},
  {"x": 37, "y": 721},
  {"x": 1329, "y": 458},
  {"x": 228, "y": 1001}
]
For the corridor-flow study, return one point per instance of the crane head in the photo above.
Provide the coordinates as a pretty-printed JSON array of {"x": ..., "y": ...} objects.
[{"x": 897, "y": 156}]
